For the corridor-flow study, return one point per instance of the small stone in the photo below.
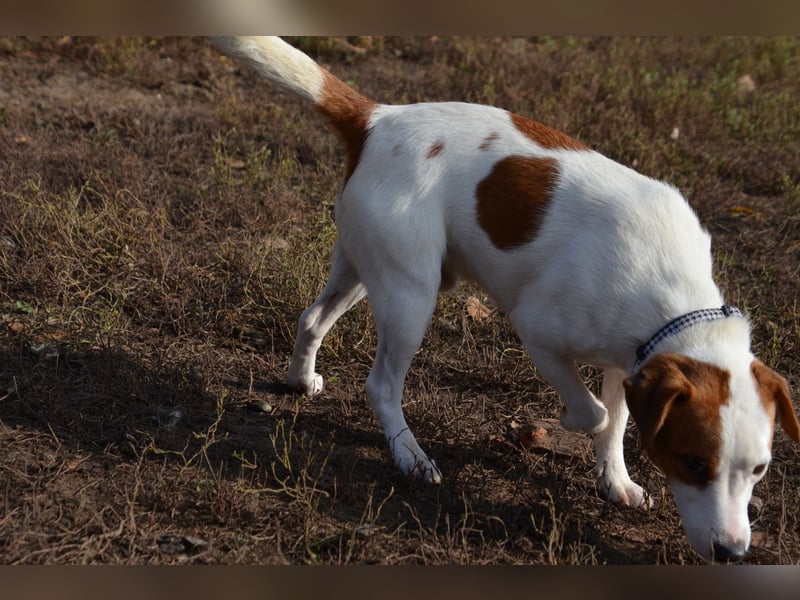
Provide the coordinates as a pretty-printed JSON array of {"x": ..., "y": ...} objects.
[
  {"x": 636, "y": 536},
  {"x": 177, "y": 414},
  {"x": 195, "y": 543},
  {"x": 45, "y": 351},
  {"x": 264, "y": 406},
  {"x": 171, "y": 543}
]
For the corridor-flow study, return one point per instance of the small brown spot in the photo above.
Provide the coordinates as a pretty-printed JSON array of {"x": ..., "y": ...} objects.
[
  {"x": 675, "y": 401},
  {"x": 489, "y": 140},
  {"x": 435, "y": 149},
  {"x": 545, "y": 136},
  {"x": 513, "y": 197},
  {"x": 349, "y": 112}
]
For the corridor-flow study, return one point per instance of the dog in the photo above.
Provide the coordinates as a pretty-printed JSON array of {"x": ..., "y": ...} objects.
[{"x": 593, "y": 262}]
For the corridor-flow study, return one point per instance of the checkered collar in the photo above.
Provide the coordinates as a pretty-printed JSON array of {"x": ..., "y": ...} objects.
[{"x": 644, "y": 351}]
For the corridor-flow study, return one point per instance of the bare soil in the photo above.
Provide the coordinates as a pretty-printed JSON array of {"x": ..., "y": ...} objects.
[{"x": 165, "y": 216}]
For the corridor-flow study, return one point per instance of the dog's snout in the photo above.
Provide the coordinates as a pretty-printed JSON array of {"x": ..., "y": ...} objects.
[{"x": 723, "y": 553}]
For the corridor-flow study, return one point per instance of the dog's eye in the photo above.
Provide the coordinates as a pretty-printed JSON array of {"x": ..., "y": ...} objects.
[
  {"x": 696, "y": 467},
  {"x": 760, "y": 470}
]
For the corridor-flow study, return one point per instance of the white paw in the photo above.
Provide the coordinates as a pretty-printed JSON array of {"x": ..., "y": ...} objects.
[
  {"x": 592, "y": 420},
  {"x": 411, "y": 460},
  {"x": 425, "y": 469},
  {"x": 309, "y": 388},
  {"x": 626, "y": 493}
]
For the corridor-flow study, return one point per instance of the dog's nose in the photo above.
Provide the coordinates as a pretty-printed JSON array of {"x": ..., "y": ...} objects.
[{"x": 724, "y": 553}]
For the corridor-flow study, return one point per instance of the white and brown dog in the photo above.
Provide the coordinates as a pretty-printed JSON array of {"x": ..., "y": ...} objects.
[{"x": 589, "y": 259}]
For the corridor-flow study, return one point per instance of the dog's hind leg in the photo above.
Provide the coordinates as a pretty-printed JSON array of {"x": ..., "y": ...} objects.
[
  {"x": 343, "y": 290},
  {"x": 402, "y": 314}
]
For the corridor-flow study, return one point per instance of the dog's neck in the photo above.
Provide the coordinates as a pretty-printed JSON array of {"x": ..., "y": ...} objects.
[
  {"x": 679, "y": 324},
  {"x": 720, "y": 342}
]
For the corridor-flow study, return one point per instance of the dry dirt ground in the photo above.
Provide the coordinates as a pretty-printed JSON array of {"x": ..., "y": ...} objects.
[{"x": 164, "y": 218}]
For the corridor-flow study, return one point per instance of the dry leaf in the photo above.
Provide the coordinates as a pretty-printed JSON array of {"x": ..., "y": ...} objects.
[
  {"x": 532, "y": 436},
  {"x": 741, "y": 210},
  {"x": 74, "y": 463},
  {"x": 759, "y": 539},
  {"x": 16, "y": 326},
  {"x": 56, "y": 335},
  {"x": 277, "y": 243},
  {"x": 745, "y": 84},
  {"x": 477, "y": 310}
]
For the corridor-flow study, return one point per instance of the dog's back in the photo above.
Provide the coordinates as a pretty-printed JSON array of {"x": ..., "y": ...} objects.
[{"x": 516, "y": 211}]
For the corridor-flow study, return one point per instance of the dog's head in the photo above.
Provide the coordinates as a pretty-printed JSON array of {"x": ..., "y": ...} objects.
[{"x": 710, "y": 431}]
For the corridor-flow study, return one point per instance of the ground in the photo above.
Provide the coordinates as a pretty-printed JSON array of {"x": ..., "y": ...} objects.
[{"x": 165, "y": 216}]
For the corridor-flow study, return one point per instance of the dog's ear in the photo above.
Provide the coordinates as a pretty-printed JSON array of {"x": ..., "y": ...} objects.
[
  {"x": 774, "y": 390},
  {"x": 652, "y": 392}
]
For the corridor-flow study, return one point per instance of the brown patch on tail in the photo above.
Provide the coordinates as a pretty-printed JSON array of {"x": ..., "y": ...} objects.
[
  {"x": 513, "y": 197},
  {"x": 545, "y": 136},
  {"x": 349, "y": 112}
]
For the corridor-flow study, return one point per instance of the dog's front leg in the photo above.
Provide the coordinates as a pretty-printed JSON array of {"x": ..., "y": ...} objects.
[{"x": 613, "y": 481}]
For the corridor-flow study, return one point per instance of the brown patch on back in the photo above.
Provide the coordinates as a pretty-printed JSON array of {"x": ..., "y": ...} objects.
[
  {"x": 349, "y": 112},
  {"x": 435, "y": 149},
  {"x": 776, "y": 399},
  {"x": 512, "y": 199},
  {"x": 489, "y": 140},
  {"x": 545, "y": 136},
  {"x": 675, "y": 402}
]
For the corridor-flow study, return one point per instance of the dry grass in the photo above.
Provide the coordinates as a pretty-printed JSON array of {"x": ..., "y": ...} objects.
[{"x": 164, "y": 218}]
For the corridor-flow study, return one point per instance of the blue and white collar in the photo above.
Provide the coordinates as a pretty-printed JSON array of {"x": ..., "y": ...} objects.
[{"x": 677, "y": 325}]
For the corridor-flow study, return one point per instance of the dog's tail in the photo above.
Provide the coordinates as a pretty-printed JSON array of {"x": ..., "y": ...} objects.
[{"x": 348, "y": 111}]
